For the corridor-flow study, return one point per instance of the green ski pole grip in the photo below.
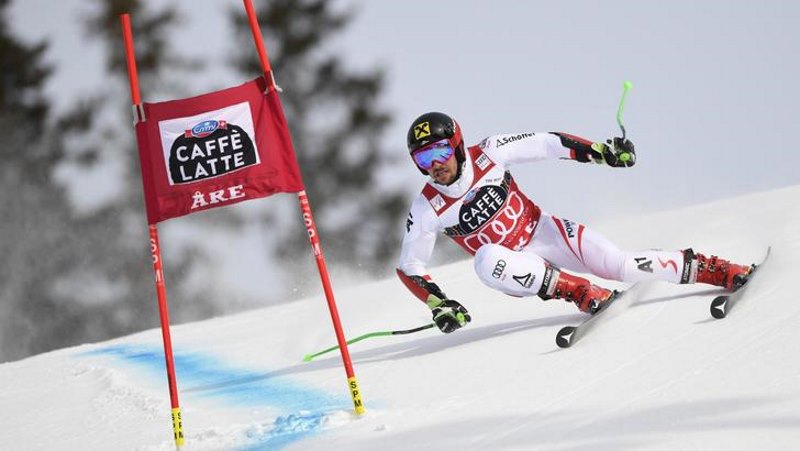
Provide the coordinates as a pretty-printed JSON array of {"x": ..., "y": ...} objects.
[{"x": 625, "y": 88}]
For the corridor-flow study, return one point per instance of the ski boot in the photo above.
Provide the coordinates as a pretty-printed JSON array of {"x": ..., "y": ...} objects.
[
  {"x": 716, "y": 271},
  {"x": 588, "y": 297}
]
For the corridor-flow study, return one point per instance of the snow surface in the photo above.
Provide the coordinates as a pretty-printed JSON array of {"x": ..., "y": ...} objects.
[{"x": 661, "y": 375}]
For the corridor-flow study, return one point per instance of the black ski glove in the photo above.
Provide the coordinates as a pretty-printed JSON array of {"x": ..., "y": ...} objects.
[
  {"x": 448, "y": 314},
  {"x": 617, "y": 153}
]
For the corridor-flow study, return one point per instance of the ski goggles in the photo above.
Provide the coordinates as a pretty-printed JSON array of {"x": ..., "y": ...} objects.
[{"x": 440, "y": 151}]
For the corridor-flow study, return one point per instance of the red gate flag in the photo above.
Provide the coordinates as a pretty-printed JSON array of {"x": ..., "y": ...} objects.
[{"x": 215, "y": 149}]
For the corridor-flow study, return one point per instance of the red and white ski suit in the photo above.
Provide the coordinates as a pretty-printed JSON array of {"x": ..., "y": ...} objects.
[{"x": 512, "y": 239}]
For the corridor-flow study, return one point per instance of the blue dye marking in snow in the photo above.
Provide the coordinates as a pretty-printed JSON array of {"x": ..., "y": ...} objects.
[
  {"x": 286, "y": 430},
  {"x": 208, "y": 376}
]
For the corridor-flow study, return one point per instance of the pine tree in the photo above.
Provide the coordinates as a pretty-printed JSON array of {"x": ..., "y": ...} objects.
[
  {"x": 33, "y": 206},
  {"x": 125, "y": 252},
  {"x": 69, "y": 275}
]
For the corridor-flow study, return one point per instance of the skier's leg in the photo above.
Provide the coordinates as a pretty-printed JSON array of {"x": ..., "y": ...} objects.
[
  {"x": 513, "y": 273},
  {"x": 576, "y": 247},
  {"x": 526, "y": 274}
]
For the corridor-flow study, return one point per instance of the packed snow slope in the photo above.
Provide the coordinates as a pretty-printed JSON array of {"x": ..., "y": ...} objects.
[{"x": 661, "y": 374}]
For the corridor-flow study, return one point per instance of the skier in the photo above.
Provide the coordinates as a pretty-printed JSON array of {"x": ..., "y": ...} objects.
[{"x": 519, "y": 249}]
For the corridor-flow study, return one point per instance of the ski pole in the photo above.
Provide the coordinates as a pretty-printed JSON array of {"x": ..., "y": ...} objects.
[
  {"x": 625, "y": 88},
  {"x": 309, "y": 357}
]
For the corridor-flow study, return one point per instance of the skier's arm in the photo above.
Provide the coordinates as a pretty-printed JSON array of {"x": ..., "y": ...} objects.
[
  {"x": 529, "y": 147},
  {"x": 417, "y": 248},
  {"x": 615, "y": 152},
  {"x": 418, "y": 243},
  {"x": 448, "y": 314}
]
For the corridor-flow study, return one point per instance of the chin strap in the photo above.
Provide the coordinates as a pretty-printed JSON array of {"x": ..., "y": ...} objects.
[
  {"x": 459, "y": 171},
  {"x": 461, "y": 158}
]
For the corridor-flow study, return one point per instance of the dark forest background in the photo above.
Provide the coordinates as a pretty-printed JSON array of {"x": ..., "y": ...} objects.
[{"x": 70, "y": 275}]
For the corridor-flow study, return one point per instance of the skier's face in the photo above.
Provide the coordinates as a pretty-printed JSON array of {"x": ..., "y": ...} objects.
[{"x": 444, "y": 173}]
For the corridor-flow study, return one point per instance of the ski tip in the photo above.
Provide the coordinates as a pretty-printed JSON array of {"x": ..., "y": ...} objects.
[
  {"x": 308, "y": 357},
  {"x": 719, "y": 307},
  {"x": 564, "y": 336}
]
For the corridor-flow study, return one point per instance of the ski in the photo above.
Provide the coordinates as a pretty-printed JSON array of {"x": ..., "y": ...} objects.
[
  {"x": 722, "y": 305},
  {"x": 568, "y": 335}
]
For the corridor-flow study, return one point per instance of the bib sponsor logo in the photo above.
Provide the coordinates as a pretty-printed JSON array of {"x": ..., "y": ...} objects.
[
  {"x": 208, "y": 145},
  {"x": 485, "y": 203},
  {"x": 437, "y": 202},
  {"x": 507, "y": 226},
  {"x": 482, "y": 162},
  {"x": 470, "y": 195},
  {"x": 492, "y": 214}
]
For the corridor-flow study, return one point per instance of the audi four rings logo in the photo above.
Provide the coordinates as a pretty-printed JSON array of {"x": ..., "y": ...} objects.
[{"x": 499, "y": 268}]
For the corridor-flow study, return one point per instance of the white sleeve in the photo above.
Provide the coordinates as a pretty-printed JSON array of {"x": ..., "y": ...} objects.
[
  {"x": 513, "y": 148},
  {"x": 420, "y": 238}
]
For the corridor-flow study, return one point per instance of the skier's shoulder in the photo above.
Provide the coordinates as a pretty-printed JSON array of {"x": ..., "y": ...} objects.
[
  {"x": 422, "y": 202},
  {"x": 422, "y": 212}
]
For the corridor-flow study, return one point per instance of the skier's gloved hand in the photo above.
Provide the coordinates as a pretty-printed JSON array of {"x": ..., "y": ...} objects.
[
  {"x": 615, "y": 152},
  {"x": 448, "y": 314}
]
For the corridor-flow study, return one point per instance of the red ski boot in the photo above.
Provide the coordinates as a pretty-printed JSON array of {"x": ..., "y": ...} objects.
[
  {"x": 716, "y": 271},
  {"x": 589, "y": 298}
]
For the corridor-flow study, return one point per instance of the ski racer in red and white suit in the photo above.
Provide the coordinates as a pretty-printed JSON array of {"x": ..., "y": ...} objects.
[{"x": 519, "y": 249}]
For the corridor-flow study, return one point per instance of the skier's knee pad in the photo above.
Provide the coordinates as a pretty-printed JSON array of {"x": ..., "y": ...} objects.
[{"x": 514, "y": 273}]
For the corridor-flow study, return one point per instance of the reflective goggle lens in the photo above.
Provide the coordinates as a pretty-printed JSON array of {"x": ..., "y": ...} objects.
[{"x": 440, "y": 151}]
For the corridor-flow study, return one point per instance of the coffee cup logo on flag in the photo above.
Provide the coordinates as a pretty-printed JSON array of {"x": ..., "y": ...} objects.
[
  {"x": 215, "y": 149},
  {"x": 208, "y": 145}
]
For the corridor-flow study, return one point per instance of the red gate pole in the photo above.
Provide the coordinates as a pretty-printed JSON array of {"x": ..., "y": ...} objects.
[
  {"x": 313, "y": 236},
  {"x": 155, "y": 249}
]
